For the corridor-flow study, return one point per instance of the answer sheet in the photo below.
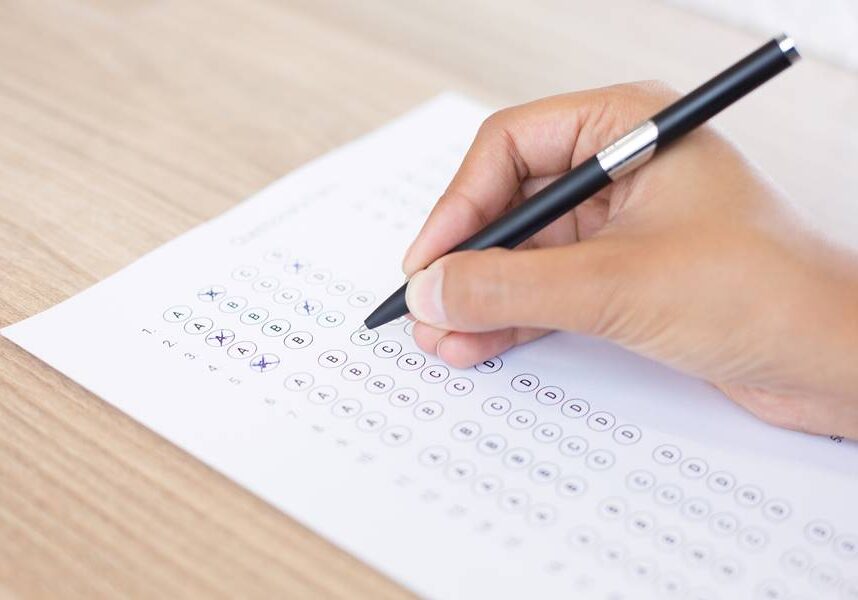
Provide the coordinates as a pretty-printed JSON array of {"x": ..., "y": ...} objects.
[{"x": 567, "y": 468}]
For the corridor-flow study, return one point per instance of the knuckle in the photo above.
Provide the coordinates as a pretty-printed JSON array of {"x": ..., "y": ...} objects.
[
  {"x": 649, "y": 92},
  {"x": 775, "y": 410},
  {"x": 656, "y": 88},
  {"x": 495, "y": 122},
  {"x": 628, "y": 103},
  {"x": 617, "y": 108},
  {"x": 800, "y": 412}
]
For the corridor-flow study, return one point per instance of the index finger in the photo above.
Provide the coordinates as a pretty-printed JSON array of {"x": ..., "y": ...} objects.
[{"x": 537, "y": 139}]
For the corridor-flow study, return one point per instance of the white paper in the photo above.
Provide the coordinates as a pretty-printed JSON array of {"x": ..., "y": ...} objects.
[{"x": 538, "y": 500}]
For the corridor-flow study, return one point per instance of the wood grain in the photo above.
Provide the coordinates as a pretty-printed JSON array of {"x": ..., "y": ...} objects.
[{"x": 124, "y": 123}]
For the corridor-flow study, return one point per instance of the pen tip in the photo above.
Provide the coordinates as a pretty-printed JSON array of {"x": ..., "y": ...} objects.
[{"x": 392, "y": 308}]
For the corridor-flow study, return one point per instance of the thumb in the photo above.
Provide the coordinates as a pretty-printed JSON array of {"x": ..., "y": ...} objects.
[{"x": 566, "y": 287}]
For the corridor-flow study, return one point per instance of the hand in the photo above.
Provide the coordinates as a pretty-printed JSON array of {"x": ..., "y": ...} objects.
[{"x": 694, "y": 260}]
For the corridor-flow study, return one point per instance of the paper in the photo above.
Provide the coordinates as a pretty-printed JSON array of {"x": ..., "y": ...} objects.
[{"x": 566, "y": 468}]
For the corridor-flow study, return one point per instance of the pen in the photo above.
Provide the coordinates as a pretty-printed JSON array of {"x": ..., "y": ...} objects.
[{"x": 620, "y": 157}]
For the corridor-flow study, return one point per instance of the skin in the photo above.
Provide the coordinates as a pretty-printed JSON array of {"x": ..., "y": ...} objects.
[{"x": 695, "y": 260}]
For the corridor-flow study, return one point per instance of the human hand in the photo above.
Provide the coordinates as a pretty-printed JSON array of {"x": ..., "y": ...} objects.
[{"x": 694, "y": 260}]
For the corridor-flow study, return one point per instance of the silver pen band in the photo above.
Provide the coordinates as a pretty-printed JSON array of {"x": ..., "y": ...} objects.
[{"x": 630, "y": 151}]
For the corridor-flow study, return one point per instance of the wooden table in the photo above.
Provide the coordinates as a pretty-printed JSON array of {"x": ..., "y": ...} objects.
[{"x": 123, "y": 123}]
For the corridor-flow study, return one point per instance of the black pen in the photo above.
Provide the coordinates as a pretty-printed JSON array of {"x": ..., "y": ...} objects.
[{"x": 618, "y": 158}]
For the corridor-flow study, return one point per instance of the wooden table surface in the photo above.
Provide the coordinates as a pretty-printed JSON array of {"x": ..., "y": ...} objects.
[{"x": 123, "y": 123}]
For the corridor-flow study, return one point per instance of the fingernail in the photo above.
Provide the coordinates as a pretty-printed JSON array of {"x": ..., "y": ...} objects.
[
  {"x": 424, "y": 295},
  {"x": 405, "y": 259},
  {"x": 438, "y": 347}
]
